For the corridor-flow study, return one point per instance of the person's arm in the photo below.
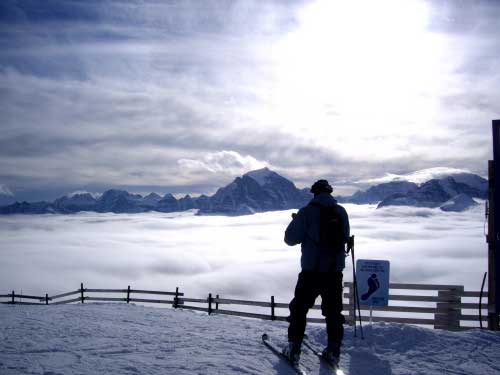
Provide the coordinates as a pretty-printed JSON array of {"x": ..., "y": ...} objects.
[
  {"x": 347, "y": 229},
  {"x": 296, "y": 230}
]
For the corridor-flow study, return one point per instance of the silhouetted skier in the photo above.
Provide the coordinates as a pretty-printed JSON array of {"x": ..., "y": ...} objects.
[
  {"x": 373, "y": 285},
  {"x": 322, "y": 229}
]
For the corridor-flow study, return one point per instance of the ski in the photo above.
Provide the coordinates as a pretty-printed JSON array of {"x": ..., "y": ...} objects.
[
  {"x": 295, "y": 366},
  {"x": 334, "y": 367}
]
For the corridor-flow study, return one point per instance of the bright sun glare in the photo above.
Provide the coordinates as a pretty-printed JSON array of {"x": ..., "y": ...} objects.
[{"x": 357, "y": 70}]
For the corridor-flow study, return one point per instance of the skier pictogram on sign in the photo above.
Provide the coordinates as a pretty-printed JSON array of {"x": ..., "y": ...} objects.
[{"x": 373, "y": 281}]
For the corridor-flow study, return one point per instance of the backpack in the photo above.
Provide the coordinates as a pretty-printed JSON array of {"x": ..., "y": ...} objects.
[{"x": 331, "y": 228}]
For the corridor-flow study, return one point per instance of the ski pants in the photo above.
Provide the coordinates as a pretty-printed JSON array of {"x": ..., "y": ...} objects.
[{"x": 310, "y": 285}]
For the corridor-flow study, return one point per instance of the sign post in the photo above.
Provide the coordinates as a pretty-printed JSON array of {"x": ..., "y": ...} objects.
[
  {"x": 373, "y": 282},
  {"x": 494, "y": 230}
]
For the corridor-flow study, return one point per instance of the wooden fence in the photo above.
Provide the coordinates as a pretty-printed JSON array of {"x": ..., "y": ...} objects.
[{"x": 440, "y": 306}]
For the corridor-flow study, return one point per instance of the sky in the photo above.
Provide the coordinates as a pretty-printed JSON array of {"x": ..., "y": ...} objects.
[
  {"x": 183, "y": 96},
  {"x": 241, "y": 257}
]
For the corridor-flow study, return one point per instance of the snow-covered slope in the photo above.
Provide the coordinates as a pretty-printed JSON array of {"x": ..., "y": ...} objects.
[
  {"x": 6, "y": 196},
  {"x": 75, "y": 202},
  {"x": 151, "y": 199},
  {"x": 459, "y": 203},
  {"x": 421, "y": 176},
  {"x": 128, "y": 339},
  {"x": 262, "y": 176},
  {"x": 404, "y": 191},
  {"x": 439, "y": 192},
  {"x": 379, "y": 192},
  {"x": 257, "y": 191}
]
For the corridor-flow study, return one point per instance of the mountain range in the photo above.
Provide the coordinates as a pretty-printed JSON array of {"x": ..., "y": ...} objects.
[
  {"x": 256, "y": 191},
  {"x": 450, "y": 193},
  {"x": 265, "y": 190}
]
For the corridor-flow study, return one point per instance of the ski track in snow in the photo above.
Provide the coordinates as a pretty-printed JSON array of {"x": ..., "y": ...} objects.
[{"x": 131, "y": 339}]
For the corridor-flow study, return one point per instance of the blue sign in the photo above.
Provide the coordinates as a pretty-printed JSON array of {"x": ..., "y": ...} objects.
[{"x": 373, "y": 282}]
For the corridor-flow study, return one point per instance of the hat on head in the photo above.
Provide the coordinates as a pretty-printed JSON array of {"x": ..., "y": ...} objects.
[{"x": 321, "y": 186}]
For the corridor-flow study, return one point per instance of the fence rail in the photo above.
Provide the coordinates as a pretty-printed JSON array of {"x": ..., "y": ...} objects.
[{"x": 441, "y": 309}]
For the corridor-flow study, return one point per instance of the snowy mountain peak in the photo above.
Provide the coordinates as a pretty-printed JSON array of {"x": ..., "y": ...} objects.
[
  {"x": 455, "y": 192},
  {"x": 4, "y": 190},
  {"x": 419, "y": 177},
  {"x": 153, "y": 196},
  {"x": 168, "y": 196},
  {"x": 256, "y": 191},
  {"x": 82, "y": 192},
  {"x": 6, "y": 196},
  {"x": 261, "y": 176},
  {"x": 458, "y": 203}
]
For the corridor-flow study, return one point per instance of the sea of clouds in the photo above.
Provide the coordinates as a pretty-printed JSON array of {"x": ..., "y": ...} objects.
[{"x": 238, "y": 257}]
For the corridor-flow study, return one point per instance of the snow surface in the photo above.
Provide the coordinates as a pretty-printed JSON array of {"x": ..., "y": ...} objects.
[
  {"x": 260, "y": 175},
  {"x": 418, "y": 177},
  {"x": 4, "y": 190},
  {"x": 458, "y": 203},
  {"x": 82, "y": 192},
  {"x": 130, "y": 339}
]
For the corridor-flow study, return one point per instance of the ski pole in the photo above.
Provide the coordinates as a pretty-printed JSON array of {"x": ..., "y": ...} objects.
[
  {"x": 356, "y": 293},
  {"x": 350, "y": 245}
]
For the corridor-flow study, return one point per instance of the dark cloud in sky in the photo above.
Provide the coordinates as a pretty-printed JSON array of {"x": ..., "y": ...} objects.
[{"x": 117, "y": 94}]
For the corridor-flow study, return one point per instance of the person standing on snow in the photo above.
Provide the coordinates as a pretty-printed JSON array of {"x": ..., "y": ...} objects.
[{"x": 322, "y": 229}]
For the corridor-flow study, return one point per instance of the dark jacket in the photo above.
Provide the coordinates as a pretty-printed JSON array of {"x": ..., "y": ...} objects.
[{"x": 304, "y": 229}]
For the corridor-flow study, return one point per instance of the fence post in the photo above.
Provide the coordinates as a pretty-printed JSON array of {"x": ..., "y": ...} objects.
[
  {"x": 273, "y": 317},
  {"x": 455, "y": 309},
  {"x": 209, "y": 303},
  {"x": 217, "y": 302},
  {"x": 82, "y": 298},
  {"x": 13, "y": 298},
  {"x": 128, "y": 294},
  {"x": 176, "y": 298},
  {"x": 46, "y": 298},
  {"x": 448, "y": 311}
]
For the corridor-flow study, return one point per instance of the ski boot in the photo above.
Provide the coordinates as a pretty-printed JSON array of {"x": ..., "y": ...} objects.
[
  {"x": 332, "y": 354},
  {"x": 292, "y": 352}
]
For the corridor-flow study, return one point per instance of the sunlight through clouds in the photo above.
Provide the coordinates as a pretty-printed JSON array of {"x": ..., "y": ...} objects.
[
  {"x": 112, "y": 95},
  {"x": 355, "y": 72}
]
